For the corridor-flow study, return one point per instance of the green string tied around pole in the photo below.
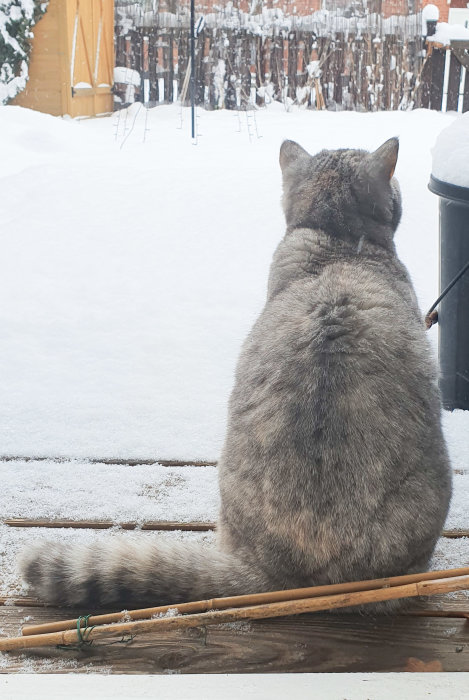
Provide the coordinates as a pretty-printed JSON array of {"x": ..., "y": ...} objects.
[
  {"x": 83, "y": 640},
  {"x": 83, "y": 633}
]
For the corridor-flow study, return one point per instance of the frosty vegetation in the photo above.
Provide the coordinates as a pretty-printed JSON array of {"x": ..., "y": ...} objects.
[{"x": 17, "y": 17}]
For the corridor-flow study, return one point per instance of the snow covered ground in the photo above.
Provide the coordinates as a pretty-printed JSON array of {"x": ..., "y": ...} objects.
[{"x": 131, "y": 272}]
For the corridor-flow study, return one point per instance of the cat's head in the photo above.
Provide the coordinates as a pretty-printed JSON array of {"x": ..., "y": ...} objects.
[{"x": 346, "y": 193}]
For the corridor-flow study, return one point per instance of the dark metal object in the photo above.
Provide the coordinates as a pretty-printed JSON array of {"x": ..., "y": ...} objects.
[
  {"x": 453, "y": 315},
  {"x": 192, "y": 90},
  {"x": 431, "y": 27}
]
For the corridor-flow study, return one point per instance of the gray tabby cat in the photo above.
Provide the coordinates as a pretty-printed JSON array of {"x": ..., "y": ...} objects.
[{"x": 334, "y": 466}]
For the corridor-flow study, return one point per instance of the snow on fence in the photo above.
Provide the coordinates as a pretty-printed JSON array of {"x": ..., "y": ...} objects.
[
  {"x": 324, "y": 60},
  {"x": 236, "y": 68}
]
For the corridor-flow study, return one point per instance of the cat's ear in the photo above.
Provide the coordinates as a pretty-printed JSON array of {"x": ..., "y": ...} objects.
[
  {"x": 381, "y": 163},
  {"x": 291, "y": 154}
]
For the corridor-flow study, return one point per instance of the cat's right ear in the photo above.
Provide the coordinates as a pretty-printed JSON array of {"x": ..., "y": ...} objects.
[
  {"x": 381, "y": 164},
  {"x": 291, "y": 154}
]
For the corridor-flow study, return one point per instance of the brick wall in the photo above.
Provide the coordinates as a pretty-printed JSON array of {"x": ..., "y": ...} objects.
[
  {"x": 306, "y": 7},
  {"x": 395, "y": 7},
  {"x": 443, "y": 7}
]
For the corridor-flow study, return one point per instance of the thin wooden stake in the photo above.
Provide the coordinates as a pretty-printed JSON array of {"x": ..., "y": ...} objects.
[
  {"x": 253, "y": 612},
  {"x": 246, "y": 600}
]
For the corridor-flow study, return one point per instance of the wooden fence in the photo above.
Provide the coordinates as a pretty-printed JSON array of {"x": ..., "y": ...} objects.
[
  {"x": 445, "y": 78},
  {"x": 236, "y": 69}
]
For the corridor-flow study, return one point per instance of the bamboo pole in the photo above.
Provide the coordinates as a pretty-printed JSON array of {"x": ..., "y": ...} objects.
[
  {"x": 247, "y": 600},
  {"x": 252, "y": 612}
]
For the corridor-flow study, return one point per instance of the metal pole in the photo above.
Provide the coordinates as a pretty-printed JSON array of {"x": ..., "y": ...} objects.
[{"x": 193, "y": 67}]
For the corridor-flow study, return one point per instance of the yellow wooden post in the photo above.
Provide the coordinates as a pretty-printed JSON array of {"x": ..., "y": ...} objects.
[{"x": 72, "y": 60}]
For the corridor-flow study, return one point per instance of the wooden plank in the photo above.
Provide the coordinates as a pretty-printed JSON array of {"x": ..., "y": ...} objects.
[
  {"x": 436, "y": 86},
  {"x": 108, "y": 524},
  {"x": 44, "y": 65},
  {"x": 21, "y": 601},
  {"x": 465, "y": 105},
  {"x": 131, "y": 462},
  {"x": 454, "y": 602},
  {"x": 423, "y": 83},
  {"x": 195, "y": 526},
  {"x": 453, "y": 84},
  {"x": 455, "y": 534},
  {"x": 309, "y": 643},
  {"x": 460, "y": 49},
  {"x": 116, "y": 461},
  {"x": 428, "y": 612}
]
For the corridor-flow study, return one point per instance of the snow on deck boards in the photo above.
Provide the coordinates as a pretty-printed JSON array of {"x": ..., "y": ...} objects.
[
  {"x": 83, "y": 490},
  {"x": 79, "y": 491}
]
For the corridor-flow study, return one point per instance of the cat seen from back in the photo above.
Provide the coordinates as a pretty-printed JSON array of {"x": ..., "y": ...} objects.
[{"x": 334, "y": 466}]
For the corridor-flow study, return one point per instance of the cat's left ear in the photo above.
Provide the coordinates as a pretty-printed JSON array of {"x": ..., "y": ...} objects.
[
  {"x": 381, "y": 163},
  {"x": 292, "y": 154}
]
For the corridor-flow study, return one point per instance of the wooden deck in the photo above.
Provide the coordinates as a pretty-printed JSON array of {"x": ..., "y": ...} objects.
[
  {"x": 432, "y": 636},
  {"x": 308, "y": 643}
]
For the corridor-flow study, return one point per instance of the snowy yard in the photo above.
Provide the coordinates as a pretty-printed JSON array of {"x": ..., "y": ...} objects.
[{"x": 132, "y": 270}]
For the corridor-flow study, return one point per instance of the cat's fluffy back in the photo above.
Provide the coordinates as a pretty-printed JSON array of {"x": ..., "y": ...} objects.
[
  {"x": 351, "y": 339},
  {"x": 336, "y": 392}
]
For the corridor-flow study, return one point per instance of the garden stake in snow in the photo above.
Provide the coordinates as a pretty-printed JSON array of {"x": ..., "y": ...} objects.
[{"x": 312, "y": 600}]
